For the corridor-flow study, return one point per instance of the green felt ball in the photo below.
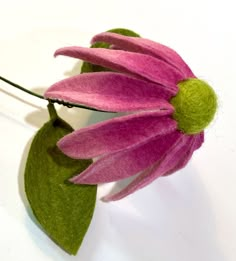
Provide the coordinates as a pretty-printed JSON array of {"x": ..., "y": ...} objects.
[{"x": 195, "y": 105}]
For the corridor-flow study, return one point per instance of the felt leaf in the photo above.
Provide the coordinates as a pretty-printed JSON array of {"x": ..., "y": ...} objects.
[
  {"x": 89, "y": 67},
  {"x": 64, "y": 210}
]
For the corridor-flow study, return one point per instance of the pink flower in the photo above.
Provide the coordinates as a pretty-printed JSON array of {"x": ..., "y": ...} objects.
[{"x": 157, "y": 138}]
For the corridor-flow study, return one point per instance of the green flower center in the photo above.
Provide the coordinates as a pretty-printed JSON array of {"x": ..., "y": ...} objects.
[{"x": 195, "y": 105}]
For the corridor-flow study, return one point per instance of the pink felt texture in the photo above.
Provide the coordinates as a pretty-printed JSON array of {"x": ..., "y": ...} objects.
[
  {"x": 144, "y": 78},
  {"x": 127, "y": 162},
  {"x": 116, "y": 134},
  {"x": 145, "y": 46},
  {"x": 176, "y": 151},
  {"x": 143, "y": 65},
  {"x": 112, "y": 92},
  {"x": 194, "y": 141}
]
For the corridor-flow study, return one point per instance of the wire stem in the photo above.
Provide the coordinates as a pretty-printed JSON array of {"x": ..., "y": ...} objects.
[
  {"x": 68, "y": 104},
  {"x": 21, "y": 88}
]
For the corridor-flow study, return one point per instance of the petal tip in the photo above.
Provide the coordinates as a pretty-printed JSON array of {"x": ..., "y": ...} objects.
[
  {"x": 72, "y": 180},
  {"x": 61, "y": 51},
  {"x": 94, "y": 39},
  {"x": 56, "y": 53},
  {"x": 75, "y": 180},
  {"x": 105, "y": 199},
  {"x": 79, "y": 179},
  {"x": 60, "y": 142}
]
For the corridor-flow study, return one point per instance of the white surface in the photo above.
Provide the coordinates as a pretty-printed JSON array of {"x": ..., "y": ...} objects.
[{"x": 188, "y": 216}]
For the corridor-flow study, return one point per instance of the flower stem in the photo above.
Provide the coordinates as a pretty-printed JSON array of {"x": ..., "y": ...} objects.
[
  {"x": 68, "y": 104},
  {"x": 52, "y": 111}
]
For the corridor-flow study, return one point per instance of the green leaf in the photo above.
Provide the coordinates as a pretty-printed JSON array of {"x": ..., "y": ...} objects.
[
  {"x": 89, "y": 67},
  {"x": 63, "y": 209}
]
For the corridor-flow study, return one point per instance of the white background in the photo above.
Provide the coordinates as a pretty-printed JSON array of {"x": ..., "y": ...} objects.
[{"x": 188, "y": 216}]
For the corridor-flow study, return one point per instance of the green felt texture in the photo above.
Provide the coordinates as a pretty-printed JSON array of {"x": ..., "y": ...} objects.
[
  {"x": 63, "y": 209},
  {"x": 195, "y": 105},
  {"x": 89, "y": 67}
]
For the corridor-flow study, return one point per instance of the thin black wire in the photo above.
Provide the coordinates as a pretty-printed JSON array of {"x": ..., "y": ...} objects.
[{"x": 67, "y": 104}]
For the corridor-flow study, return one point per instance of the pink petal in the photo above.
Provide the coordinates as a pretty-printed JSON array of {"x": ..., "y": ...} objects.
[
  {"x": 199, "y": 140},
  {"x": 112, "y": 92},
  {"x": 160, "y": 168},
  {"x": 142, "y": 65},
  {"x": 196, "y": 143},
  {"x": 128, "y": 162},
  {"x": 115, "y": 134},
  {"x": 186, "y": 155},
  {"x": 145, "y": 46}
]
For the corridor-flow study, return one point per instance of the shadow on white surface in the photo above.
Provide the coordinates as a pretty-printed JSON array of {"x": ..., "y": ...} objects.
[
  {"x": 19, "y": 99},
  {"x": 172, "y": 219}
]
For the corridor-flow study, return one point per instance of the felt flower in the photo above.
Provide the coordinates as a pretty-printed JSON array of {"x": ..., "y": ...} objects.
[{"x": 168, "y": 110}]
